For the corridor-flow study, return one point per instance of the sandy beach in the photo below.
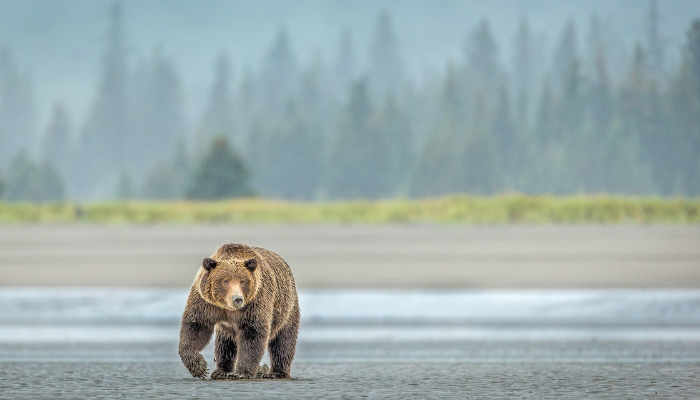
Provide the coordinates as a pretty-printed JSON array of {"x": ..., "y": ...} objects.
[
  {"x": 398, "y": 256},
  {"x": 387, "y": 311}
]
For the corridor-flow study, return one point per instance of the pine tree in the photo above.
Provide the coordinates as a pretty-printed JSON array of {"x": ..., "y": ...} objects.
[
  {"x": 125, "y": 186},
  {"x": 570, "y": 128},
  {"x": 595, "y": 44},
  {"x": 159, "y": 113},
  {"x": 508, "y": 145},
  {"x": 440, "y": 167},
  {"x": 2, "y": 185},
  {"x": 656, "y": 46},
  {"x": 16, "y": 107},
  {"x": 482, "y": 58},
  {"x": 684, "y": 102},
  {"x": 279, "y": 74},
  {"x": 168, "y": 180},
  {"x": 162, "y": 182},
  {"x": 524, "y": 61},
  {"x": 601, "y": 98},
  {"x": 396, "y": 128},
  {"x": 218, "y": 116},
  {"x": 344, "y": 66},
  {"x": 296, "y": 145},
  {"x": 106, "y": 132},
  {"x": 480, "y": 155},
  {"x": 386, "y": 71},
  {"x": 564, "y": 54},
  {"x": 29, "y": 181},
  {"x": 220, "y": 174},
  {"x": 625, "y": 173},
  {"x": 358, "y": 165},
  {"x": 546, "y": 147},
  {"x": 693, "y": 54},
  {"x": 57, "y": 146}
]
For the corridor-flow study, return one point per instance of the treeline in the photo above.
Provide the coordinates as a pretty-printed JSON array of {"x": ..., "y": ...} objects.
[{"x": 336, "y": 131}]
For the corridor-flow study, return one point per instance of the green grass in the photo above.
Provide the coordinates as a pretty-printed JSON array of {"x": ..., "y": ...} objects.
[{"x": 502, "y": 209}]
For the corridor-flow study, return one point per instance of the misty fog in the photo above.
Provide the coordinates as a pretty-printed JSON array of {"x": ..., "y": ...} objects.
[{"x": 317, "y": 100}]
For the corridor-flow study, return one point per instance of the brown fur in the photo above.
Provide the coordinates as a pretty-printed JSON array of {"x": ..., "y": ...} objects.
[{"x": 268, "y": 318}]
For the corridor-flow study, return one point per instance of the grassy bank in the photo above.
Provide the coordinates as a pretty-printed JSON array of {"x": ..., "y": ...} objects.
[{"x": 502, "y": 209}]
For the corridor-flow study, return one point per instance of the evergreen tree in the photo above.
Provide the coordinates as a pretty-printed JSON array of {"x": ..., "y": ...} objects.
[
  {"x": 396, "y": 128},
  {"x": 565, "y": 53},
  {"x": 656, "y": 46},
  {"x": 625, "y": 173},
  {"x": 344, "y": 66},
  {"x": 640, "y": 117},
  {"x": 595, "y": 45},
  {"x": 157, "y": 112},
  {"x": 280, "y": 74},
  {"x": 359, "y": 165},
  {"x": 482, "y": 58},
  {"x": 386, "y": 71},
  {"x": 125, "y": 186},
  {"x": 2, "y": 185},
  {"x": 220, "y": 174},
  {"x": 246, "y": 111},
  {"x": 524, "y": 61},
  {"x": 440, "y": 167},
  {"x": 57, "y": 144},
  {"x": 316, "y": 104},
  {"x": 548, "y": 149},
  {"x": 296, "y": 146},
  {"x": 16, "y": 107},
  {"x": 570, "y": 126},
  {"x": 504, "y": 133},
  {"x": 693, "y": 55},
  {"x": 684, "y": 102},
  {"x": 218, "y": 116},
  {"x": 162, "y": 182},
  {"x": 168, "y": 180},
  {"x": 29, "y": 181},
  {"x": 106, "y": 132},
  {"x": 480, "y": 156},
  {"x": 571, "y": 103},
  {"x": 601, "y": 98}
]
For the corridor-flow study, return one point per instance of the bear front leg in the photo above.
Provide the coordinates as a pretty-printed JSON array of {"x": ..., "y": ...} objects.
[
  {"x": 194, "y": 337},
  {"x": 224, "y": 354},
  {"x": 282, "y": 349},
  {"x": 252, "y": 340}
]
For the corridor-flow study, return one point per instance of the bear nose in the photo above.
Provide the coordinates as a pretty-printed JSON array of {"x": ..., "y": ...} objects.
[{"x": 237, "y": 300}]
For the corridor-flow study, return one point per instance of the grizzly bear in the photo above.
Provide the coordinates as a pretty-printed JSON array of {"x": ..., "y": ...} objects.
[{"x": 248, "y": 296}]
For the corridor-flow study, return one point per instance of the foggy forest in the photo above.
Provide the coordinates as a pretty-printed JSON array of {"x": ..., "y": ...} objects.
[{"x": 583, "y": 114}]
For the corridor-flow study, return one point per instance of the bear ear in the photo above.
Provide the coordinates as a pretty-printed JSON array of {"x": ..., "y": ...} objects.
[
  {"x": 251, "y": 264},
  {"x": 208, "y": 264}
]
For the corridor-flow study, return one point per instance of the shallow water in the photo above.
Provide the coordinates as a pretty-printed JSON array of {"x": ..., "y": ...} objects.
[{"x": 122, "y": 343}]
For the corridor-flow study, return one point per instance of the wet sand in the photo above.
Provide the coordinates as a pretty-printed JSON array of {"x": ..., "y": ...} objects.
[
  {"x": 395, "y": 256},
  {"x": 642, "y": 349},
  {"x": 38, "y": 376}
]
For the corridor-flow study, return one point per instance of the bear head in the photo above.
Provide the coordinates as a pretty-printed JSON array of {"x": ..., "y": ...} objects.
[{"x": 230, "y": 279}]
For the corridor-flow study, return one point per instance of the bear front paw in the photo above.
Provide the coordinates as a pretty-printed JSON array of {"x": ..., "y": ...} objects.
[
  {"x": 276, "y": 375},
  {"x": 197, "y": 366},
  {"x": 220, "y": 375},
  {"x": 243, "y": 375}
]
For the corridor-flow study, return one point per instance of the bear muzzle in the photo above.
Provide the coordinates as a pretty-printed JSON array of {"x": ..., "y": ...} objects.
[{"x": 236, "y": 302}]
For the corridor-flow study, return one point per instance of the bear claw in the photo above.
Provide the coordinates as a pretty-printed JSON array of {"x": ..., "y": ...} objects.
[{"x": 220, "y": 375}]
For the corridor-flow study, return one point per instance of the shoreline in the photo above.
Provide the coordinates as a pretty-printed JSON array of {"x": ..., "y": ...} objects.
[{"x": 361, "y": 257}]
